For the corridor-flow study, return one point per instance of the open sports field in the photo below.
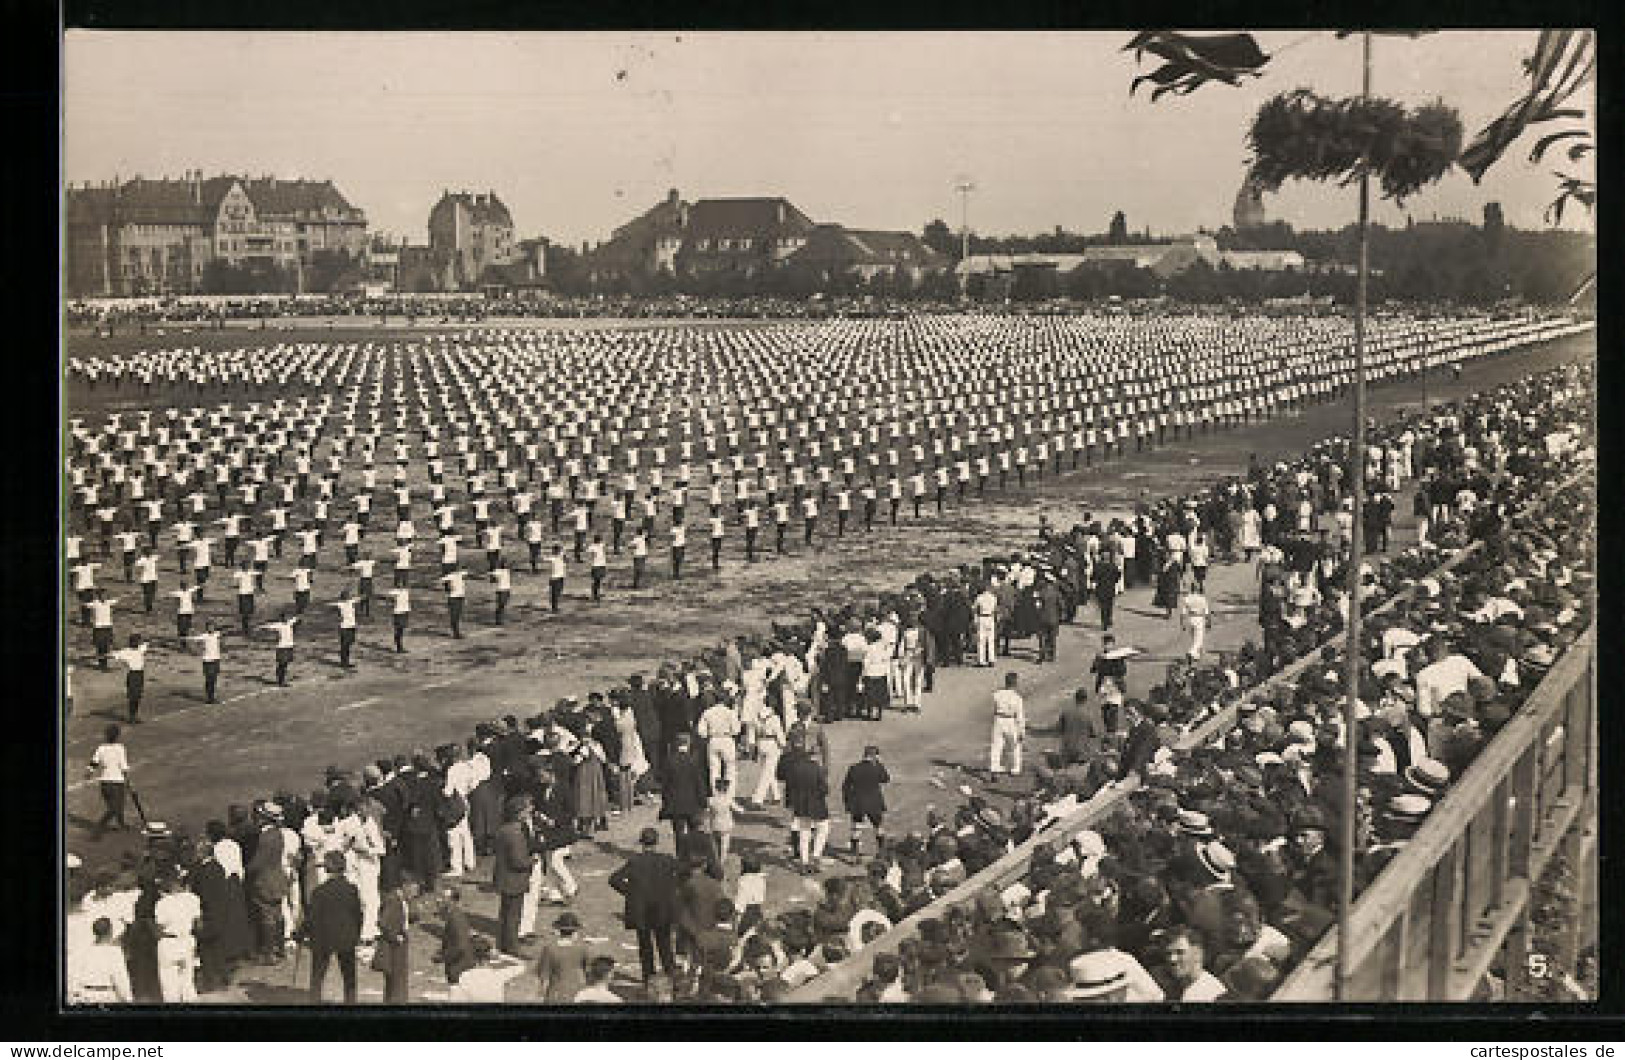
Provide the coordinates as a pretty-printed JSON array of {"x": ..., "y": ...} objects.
[{"x": 191, "y": 759}]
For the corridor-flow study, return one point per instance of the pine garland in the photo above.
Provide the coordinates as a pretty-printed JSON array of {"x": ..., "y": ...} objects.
[{"x": 1303, "y": 135}]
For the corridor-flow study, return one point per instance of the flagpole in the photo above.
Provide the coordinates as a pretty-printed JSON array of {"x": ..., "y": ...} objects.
[{"x": 1357, "y": 549}]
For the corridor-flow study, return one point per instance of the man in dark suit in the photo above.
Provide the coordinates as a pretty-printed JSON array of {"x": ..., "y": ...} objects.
[
  {"x": 683, "y": 789},
  {"x": 1049, "y": 618},
  {"x": 863, "y": 794},
  {"x": 511, "y": 874},
  {"x": 333, "y": 924},
  {"x": 456, "y": 938},
  {"x": 648, "y": 881},
  {"x": 1082, "y": 728},
  {"x": 393, "y": 955},
  {"x": 1143, "y": 740},
  {"x": 641, "y": 699},
  {"x": 1106, "y": 577},
  {"x": 222, "y": 931},
  {"x": 267, "y": 886}
]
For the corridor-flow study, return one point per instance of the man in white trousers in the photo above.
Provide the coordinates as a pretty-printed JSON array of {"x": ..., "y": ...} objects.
[
  {"x": 1009, "y": 727},
  {"x": 1196, "y": 616},
  {"x": 986, "y": 609},
  {"x": 460, "y": 780}
]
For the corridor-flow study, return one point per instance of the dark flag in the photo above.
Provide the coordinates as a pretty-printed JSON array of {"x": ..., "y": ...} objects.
[{"x": 1191, "y": 60}]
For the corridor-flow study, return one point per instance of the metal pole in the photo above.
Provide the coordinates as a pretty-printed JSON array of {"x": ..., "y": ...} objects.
[
  {"x": 964, "y": 221},
  {"x": 1351, "y": 755}
]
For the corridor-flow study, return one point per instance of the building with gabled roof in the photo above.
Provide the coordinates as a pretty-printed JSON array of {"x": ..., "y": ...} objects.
[
  {"x": 741, "y": 235},
  {"x": 146, "y": 236},
  {"x": 468, "y": 233},
  {"x": 750, "y": 236}
]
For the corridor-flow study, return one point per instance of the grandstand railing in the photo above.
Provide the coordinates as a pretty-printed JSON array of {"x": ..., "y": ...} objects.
[
  {"x": 843, "y": 980},
  {"x": 1455, "y": 903}
]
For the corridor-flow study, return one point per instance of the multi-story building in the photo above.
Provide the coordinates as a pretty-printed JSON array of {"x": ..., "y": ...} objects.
[
  {"x": 159, "y": 236},
  {"x": 751, "y": 236},
  {"x": 469, "y": 233},
  {"x": 747, "y": 236}
]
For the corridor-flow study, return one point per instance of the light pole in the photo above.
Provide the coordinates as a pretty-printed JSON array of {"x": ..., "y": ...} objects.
[
  {"x": 1351, "y": 674},
  {"x": 964, "y": 186}
]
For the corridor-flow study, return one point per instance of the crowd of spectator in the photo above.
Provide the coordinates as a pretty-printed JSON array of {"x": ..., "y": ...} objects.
[{"x": 1213, "y": 880}]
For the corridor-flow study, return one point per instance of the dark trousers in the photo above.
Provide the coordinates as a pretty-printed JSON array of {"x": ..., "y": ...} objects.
[
  {"x": 319, "y": 958},
  {"x": 1046, "y": 643},
  {"x": 113, "y": 803},
  {"x": 399, "y": 623},
  {"x": 245, "y": 610},
  {"x": 346, "y": 642},
  {"x": 267, "y": 921},
  {"x": 651, "y": 939},
  {"x": 681, "y": 826},
  {"x": 211, "y": 679},
  {"x": 454, "y": 611},
  {"x": 555, "y": 591},
  {"x": 508, "y": 910},
  {"x": 284, "y": 659},
  {"x": 134, "y": 682},
  {"x": 598, "y": 582},
  {"x": 1106, "y": 601},
  {"x": 502, "y": 606}
]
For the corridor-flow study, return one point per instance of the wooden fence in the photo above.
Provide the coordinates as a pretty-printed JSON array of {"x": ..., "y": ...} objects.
[{"x": 1458, "y": 895}]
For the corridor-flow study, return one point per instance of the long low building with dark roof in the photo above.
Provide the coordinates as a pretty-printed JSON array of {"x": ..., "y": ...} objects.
[{"x": 751, "y": 236}]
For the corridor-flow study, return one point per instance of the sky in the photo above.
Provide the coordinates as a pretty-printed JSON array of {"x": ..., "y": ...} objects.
[{"x": 579, "y": 132}]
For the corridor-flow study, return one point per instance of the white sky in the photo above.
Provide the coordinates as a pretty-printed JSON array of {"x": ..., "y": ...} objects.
[{"x": 579, "y": 132}]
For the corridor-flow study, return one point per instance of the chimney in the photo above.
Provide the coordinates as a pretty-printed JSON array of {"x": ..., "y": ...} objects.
[
  {"x": 781, "y": 211},
  {"x": 671, "y": 196}
]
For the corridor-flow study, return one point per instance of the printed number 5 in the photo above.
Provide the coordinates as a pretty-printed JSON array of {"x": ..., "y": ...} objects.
[{"x": 1538, "y": 966}]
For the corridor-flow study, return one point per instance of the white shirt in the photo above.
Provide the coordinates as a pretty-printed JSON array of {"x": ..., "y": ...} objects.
[
  {"x": 485, "y": 983},
  {"x": 1007, "y": 703},
  {"x": 1438, "y": 681},
  {"x": 211, "y": 645},
  {"x": 177, "y": 912},
  {"x": 111, "y": 763},
  {"x": 284, "y": 632},
  {"x": 1207, "y": 987},
  {"x": 230, "y": 856}
]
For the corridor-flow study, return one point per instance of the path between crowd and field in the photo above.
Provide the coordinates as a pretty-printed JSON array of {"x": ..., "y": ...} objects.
[{"x": 191, "y": 760}]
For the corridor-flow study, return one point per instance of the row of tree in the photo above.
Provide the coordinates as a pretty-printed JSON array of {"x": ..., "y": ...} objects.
[{"x": 329, "y": 270}]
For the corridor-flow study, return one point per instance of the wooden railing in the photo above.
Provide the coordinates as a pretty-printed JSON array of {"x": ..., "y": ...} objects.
[
  {"x": 1458, "y": 895},
  {"x": 842, "y": 981}
]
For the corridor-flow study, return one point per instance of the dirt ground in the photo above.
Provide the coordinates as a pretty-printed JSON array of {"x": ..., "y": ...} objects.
[{"x": 191, "y": 759}]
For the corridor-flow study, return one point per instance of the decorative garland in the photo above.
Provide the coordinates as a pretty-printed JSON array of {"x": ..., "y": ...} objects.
[{"x": 1303, "y": 135}]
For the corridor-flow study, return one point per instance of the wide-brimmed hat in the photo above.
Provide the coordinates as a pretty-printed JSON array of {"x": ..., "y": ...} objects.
[
  {"x": 1098, "y": 972},
  {"x": 1309, "y": 818},
  {"x": 567, "y": 921},
  {"x": 1408, "y": 808},
  {"x": 1194, "y": 823},
  {"x": 1428, "y": 776},
  {"x": 1217, "y": 859},
  {"x": 648, "y": 838}
]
